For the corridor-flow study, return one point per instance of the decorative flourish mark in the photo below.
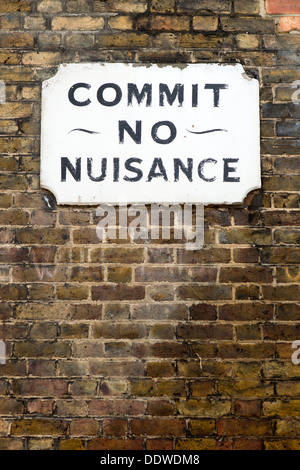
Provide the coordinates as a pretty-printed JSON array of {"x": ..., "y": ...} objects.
[
  {"x": 208, "y": 132},
  {"x": 84, "y": 130}
]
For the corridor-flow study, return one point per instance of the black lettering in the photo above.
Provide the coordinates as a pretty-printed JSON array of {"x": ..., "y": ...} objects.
[
  {"x": 72, "y": 92},
  {"x": 188, "y": 171},
  {"x": 173, "y": 132},
  {"x": 135, "y": 135},
  {"x": 157, "y": 162},
  {"x": 75, "y": 172},
  {"x": 216, "y": 89},
  {"x": 230, "y": 169},
  {"x": 171, "y": 96},
  {"x": 129, "y": 167},
  {"x": 103, "y": 170},
  {"x": 117, "y": 99},
  {"x": 200, "y": 169},
  {"x": 140, "y": 96},
  {"x": 116, "y": 170},
  {"x": 194, "y": 96}
]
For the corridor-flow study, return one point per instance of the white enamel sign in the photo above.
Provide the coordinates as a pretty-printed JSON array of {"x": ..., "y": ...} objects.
[{"x": 127, "y": 133}]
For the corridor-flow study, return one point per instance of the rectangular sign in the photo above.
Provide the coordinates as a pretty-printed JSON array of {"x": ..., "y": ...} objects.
[{"x": 128, "y": 133}]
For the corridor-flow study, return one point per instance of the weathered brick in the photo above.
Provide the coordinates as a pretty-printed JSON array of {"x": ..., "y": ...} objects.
[
  {"x": 194, "y": 331},
  {"x": 9, "y": 443},
  {"x": 41, "y": 406},
  {"x": 118, "y": 292},
  {"x": 202, "y": 41},
  {"x": 159, "y": 444},
  {"x": 84, "y": 427},
  {"x": 247, "y": 407},
  {"x": 86, "y": 312},
  {"x": 195, "y": 444},
  {"x": 42, "y": 349},
  {"x": 71, "y": 444},
  {"x": 131, "y": 346},
  {"x": 243, "y": 350},
  {"x": 127, "y": 40},
  {"x": 204, "y": 408},
  {"x": 36, "y": 311},
  {"x": 128, "y": 331},
  {"x": 121, "y": 22},
  {"x": 164, "y": 23},
  {"x": 248, "y": 332},
  {"x": 203, "y": 312},
  {"x": 205, "y": 23},
  {"x": 115, "y": 427},
  {"x": 248, "y": 41},
  {"x": 77, "y": 23},
  {"x": 42, "y": 58},
  {"x": 39, "y": 426},
  {"x": 238, "y": 426},
  {"x": 84, "y": 387},
  {"x": 288, "y": 311},
  {"x": 115, "y": 444},
  {"x": 117, "y": 369},
  {"x": 207, "y": 292},
  {"x": 246, "y": 311},
  {"x": 163, "y": 6},
  {"x": 215, "y": 6},
  {"x": 103, "y": 407},
  {"x": 159, "y": 274},
  {"x": 202, "y": 427},
  {"x": 290, "y": 292},
  {"x": 49, "y": 6},
  {"x": 277, "y": 42},
  {"x": 247, "y": 24},
  {"x": 247, "y": 6},
  {"x": 15, "y": 6},
  {"x": 39, "y": 387},
  {"x": 255, "y": 236},
  {"x": 279, "y": 408},
  {"x": 77, "y": 6},
  {"x": 48, "y": 40},
  {"x": 117, "y": 255},
  {"x": 158, "y": 427},
  {"x": 246, "y": 388},
  {"x": 88, "y": 348},
  {"x": 16, "y": 40},
  {"x": 41, "y": 444},
  {"x": 161, "y": 408},
  {"x": 42, "y": 236},
  {"x": 204, "y": 256},
  {"x": 249, "y": 274},
  {"x": 286, "y": 444},
  {"x": 134, "y": 6}
]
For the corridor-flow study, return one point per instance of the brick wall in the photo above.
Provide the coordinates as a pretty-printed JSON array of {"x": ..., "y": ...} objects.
[{"x": 149, "y": 345}]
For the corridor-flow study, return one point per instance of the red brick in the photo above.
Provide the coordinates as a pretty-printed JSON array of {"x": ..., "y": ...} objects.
[
  {"x": 115, "y": 427},
  {"x": 289, "y": 23},
  {"x": 282, "y": 7},
  {"x": 247, "y": 407}
]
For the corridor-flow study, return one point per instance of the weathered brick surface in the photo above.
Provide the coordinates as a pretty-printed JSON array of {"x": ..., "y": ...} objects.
[{"x": 149, "y": 346}]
